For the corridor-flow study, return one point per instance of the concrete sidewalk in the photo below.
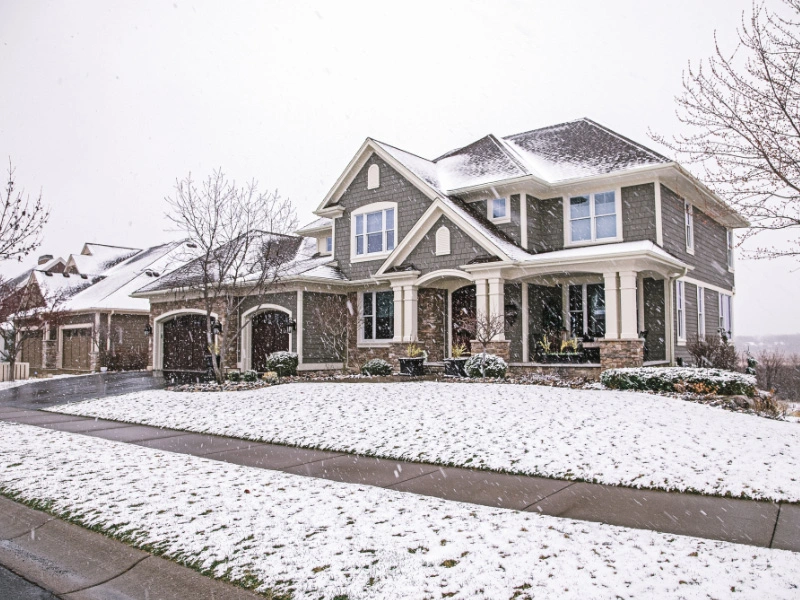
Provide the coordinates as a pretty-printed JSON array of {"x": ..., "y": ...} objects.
[
  {"x": 73, "y": 563},
  {"x": 764, "y": 524}
]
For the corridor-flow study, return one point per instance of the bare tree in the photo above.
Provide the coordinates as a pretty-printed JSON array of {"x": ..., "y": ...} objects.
[
  {"x": 240, "y": 249},
  {"x": 336, "y": 322},
  {"x": 21, "y": 221},
  {"x": 742, "y": 113},
  {"x": 27, "y": 311}
]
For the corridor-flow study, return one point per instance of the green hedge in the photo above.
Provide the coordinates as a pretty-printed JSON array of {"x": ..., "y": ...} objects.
[
  {"x": 485, "y": 365},
  {"x": 680, "y": 379},
  {"x": 283, "y": 363},
  {"x": 376, "y": 366}
]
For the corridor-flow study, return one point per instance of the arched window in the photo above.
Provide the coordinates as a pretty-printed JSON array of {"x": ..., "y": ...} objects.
[
  {"x": 442, "y": 241},
  {"x": 373, "y": 177}
]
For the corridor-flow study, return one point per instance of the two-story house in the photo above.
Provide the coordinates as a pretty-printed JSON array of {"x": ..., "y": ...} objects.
[{"x": 569, "y": 228}]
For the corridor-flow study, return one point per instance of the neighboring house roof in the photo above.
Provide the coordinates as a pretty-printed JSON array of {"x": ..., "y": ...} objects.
[
  {"x": 94, "y": 259},
  {"x": 112, "y": 291},
  {"x": 61, "y": 285}
]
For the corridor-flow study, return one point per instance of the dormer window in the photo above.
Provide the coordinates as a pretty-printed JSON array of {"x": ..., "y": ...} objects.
[
  {"x": 498, "y": 211},
  {"x": 373, "y": 230},
  {"x": 373, "y": 177},
  {"x": 329, "y": 244}
]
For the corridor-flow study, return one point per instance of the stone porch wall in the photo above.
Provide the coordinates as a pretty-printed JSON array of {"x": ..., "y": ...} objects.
[{"x": 616, "y": 354}]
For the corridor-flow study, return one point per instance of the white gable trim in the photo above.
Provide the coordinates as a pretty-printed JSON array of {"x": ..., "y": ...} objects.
[
  {"x": 368, "y": 148},
  {"x": 424, "y": 225}
]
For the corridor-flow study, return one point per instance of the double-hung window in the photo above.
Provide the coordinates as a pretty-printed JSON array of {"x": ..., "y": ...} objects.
[
  {"x": 689, "y": 218},
  {"x": 680, "y": 306},
  {"x": 701, "y": 313},
  {"x": 378, "y": 316},
  {"x": 587, "y": 310},
  {"x": 725, "y": 315},
  {"x": 593, "y": 217},
  {"x": 375, "y": 232}
]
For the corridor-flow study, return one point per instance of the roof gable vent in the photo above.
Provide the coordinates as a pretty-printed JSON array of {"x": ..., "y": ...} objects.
[{"x": 442, "y": 241}]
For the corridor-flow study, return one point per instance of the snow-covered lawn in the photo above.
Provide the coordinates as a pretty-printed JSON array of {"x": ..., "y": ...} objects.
[
  {"x": 325, "y": 539},
  {"x": 607, "y": 436}
]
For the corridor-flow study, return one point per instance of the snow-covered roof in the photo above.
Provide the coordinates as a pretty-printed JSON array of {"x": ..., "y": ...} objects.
[
  {"x": 94, "y": 259},
  {"x": 306, "y": 262},
  {"x": 112, "y": 292},
  {"x": 61, "y": 285},
  {"x": 605, "y": 252},
  {"x": 317, "y": 226}
]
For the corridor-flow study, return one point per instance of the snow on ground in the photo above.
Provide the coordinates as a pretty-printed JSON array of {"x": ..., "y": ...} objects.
[
  {"x": 326, "y": 539},
  {"x": 627, "y": 438}
]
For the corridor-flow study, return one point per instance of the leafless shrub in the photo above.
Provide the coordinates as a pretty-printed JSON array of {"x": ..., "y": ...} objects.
[{"x": 714, "y": 351}]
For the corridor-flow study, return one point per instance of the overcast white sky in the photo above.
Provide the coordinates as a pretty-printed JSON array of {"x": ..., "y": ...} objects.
[{"x": 104, "y": 104}]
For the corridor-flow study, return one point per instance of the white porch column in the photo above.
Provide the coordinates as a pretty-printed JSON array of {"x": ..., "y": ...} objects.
[
  {"x": 627, "y": 307},
  {"x": 410, "y": 313},
  {"x": 300, "y": 326},
  {"x": 612, "y": 306},
  {"x": 497, "y": 302},
  {"x": 481, "y": 297},
  {"x": 398, "y": 312}
]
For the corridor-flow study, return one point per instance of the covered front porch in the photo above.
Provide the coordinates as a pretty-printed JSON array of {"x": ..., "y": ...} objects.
[{"x": 585, "y": 308}]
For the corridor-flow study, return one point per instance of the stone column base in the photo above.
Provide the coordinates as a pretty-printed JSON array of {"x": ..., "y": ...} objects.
[
  {"x": 618, "y": 354},
  {"x": 501, "y": 349}
]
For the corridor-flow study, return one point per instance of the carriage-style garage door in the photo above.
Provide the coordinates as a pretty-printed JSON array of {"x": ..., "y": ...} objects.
[
  {"x": 185, "y": 343},
  {"x": 270, "y": 334},
  {"x": 76, "y": 348},
  {"x": 32, "y": 349}
]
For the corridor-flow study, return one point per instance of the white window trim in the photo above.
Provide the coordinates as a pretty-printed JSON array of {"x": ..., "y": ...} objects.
[
  {"x": 730, "y": 313},
  {"x": 680, "y": 311},
  {"x": 701, "y": 313},
  {"x": 501, "y": 220},
  {"x": 322, "y": 245},
  {"x": 368, "y": 208},
  {"x": 364, "y": 343},
  {"x": 730, "y": 247},
  {"x": 688, "y": 226},
  {"x": 568, "y": 243}
]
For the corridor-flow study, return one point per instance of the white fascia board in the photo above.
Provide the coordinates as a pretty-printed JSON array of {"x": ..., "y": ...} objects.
[
  {"x": 314, "y": 231},
  {"x": 725, "y": 215},
  {"x": 355, "y": 165}
]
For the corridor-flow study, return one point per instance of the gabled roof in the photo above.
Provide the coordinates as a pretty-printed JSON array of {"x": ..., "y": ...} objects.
[
  {"x": 317, "y": 226},
  {"x": 94, "y": 259}
]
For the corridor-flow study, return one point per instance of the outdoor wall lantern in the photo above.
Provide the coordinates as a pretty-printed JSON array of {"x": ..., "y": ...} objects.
[
  {"x": 511, "y": 313},
  {"x": 293, "y": 325},
  {"x": 216, "y": 328},
  {"x": 148, "y": 330}
]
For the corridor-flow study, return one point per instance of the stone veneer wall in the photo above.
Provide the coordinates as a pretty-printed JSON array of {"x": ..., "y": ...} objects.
[
  {"x": 501, "y": 349},
  {"x": 432, "y": 323},
  {"x": 616, "y": 354}
]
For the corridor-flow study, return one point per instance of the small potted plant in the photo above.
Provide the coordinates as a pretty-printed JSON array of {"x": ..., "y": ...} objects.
[
  {"x": 455, "y": 366},
  {"x": 412, "y": 363}
]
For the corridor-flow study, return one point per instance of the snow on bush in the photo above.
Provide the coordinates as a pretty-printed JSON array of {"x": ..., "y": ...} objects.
[
  {"x": 485, "y": 365},
  {"x": 250, "y": 376},
  {"x": 377, "y": 366},
  {"x": 234, "y": 376},
  {"x": 283, "y": 363},
  {"x": 680, "y": 379}
]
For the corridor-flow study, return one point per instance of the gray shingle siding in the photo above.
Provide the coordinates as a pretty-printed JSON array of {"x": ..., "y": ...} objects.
[
  {"x": 463, "y": 249},
  {"x": 411, "y": 204},
  {"x": 710, "y": 258},
  {"x": 314, "y": 350},
  {"x": 545, "y": 225},
  {"x": 512, "y": 229},
  {"x": 639, "y": 213}
]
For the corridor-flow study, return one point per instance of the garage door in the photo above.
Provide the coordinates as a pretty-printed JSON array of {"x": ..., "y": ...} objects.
[
  {"x": 270, "y": 334},
  {"x": 185, "y": 343},
  {"x": 31, "y": 351},
  {"x": 76, "y": 347}
]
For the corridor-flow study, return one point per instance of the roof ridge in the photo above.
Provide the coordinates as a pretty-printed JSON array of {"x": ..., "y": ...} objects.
[
  {"x": 511, "y": 153},
  {"x": 546, "y": 127},
  {"x": 624, "y": 138}
]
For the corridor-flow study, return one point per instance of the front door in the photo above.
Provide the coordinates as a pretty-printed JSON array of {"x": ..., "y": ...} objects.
[
  {"x": 464, "y": 307},
  {"x": 270, "y": 334}
]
